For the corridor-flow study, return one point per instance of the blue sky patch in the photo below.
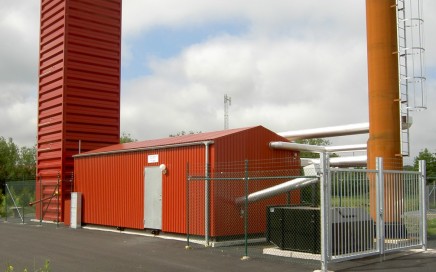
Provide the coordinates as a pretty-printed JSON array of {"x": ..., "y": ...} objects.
[{"x": 165, "y": 42}]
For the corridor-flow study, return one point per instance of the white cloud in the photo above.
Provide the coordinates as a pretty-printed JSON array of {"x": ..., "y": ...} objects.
[
  {"x": 19, "y": 28},
  {"x": 18, "y": 112},
  {"x": 269, "y": 80},
  {"x": 296, "y": 65},
  {"x": 142, "y": 15}
]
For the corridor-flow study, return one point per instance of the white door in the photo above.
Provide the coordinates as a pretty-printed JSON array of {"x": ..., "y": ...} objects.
[{"x": 152, "y": 198}]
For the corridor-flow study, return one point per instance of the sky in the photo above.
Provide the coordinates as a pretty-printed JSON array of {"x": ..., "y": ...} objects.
[{"x": 286, "y": 64}]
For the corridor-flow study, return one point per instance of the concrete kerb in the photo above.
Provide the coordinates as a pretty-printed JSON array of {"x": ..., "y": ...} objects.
[
  {"x": 378, "y": 259},
  {"x": 176, "y": 237}
]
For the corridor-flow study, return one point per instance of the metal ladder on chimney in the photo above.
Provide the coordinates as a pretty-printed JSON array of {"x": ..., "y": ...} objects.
[{"x": 410, "y": 65}]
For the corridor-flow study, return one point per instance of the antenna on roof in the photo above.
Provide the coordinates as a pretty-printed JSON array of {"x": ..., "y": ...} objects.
[{"x": 227, "y": 103}]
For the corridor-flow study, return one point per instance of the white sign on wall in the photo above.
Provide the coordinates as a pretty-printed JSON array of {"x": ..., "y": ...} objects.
[{"x": 153, "y": 158}]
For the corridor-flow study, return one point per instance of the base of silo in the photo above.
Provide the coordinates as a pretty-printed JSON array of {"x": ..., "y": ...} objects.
[{"x": 275, "y": 251}]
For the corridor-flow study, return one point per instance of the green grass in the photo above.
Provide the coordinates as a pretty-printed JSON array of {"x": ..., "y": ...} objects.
[
  {"x": 45, "y": 268},
  {"x": 431, "y": 228}
]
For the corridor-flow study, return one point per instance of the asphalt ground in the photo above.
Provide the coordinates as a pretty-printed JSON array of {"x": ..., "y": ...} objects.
[{"x": 29, "y": 246}]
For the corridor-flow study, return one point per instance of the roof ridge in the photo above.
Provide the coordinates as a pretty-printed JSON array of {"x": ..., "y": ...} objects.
[{"x": 168, "y": 141}]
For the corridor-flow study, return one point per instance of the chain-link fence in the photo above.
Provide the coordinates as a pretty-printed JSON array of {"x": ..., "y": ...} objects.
[
  {"x": 238, "y": 206},
  {"x": 278, "y": 209},
  {"x": 15, "y": 203},
  {"x": 431, "y": 189},
  {"x": 32, "y": 201}
]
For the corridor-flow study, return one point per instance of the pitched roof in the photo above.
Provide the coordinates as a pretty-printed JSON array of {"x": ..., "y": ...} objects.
[{"x": 165, "y": 142}]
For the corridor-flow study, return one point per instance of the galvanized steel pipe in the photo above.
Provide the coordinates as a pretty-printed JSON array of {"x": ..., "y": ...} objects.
[
  {"x": 315, "y": 148},
  {"x": 276, "y": 190},
  {"x": 352, "y": 129}
]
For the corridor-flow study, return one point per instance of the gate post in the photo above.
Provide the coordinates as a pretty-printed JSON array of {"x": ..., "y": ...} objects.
[
  {"x": 423, "y": 200},
  {"x": 379, "y": 192},
  {"x": 325, "y": 183}
]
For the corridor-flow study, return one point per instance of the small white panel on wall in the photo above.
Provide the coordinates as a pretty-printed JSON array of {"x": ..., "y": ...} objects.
[
  {"x": 76, "y": 210},
  {"x": 153, "y": 158}
]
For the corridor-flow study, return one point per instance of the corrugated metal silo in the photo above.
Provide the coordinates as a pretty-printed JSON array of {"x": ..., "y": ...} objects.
[{"x": 79, "y": 89}]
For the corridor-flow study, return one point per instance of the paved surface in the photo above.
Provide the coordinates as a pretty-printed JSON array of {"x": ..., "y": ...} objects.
[{"x": 28, "y": 246}]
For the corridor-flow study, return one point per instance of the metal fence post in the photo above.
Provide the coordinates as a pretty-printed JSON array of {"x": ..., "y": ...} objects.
[
  {"x": 57, "y": 196},
  {"x": 187, "y": 207},
  {"x": 423, "y": 172},
  {"x": 206, "y": 206},
  {"x": 40, "y": 200},
  {"x": 380, "y": 224},
  {"x": 246, "y": 213},
  {"x": 325, "y": 210},
  {"x": 6, "y": 206}
]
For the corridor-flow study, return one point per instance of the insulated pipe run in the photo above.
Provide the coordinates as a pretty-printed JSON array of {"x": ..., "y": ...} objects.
[
  {"x": 295, "y": 146},
  {"x": 338, "y": 161},
  {"x": 315, "y": 148},
  {"x": 346, "y": 148},
  {"x": 352, "y": 129},
  {"x": 276, "y": 190}
]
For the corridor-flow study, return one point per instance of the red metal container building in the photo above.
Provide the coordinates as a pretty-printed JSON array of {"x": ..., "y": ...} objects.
[
  {"x": 115, "y": 187},
  {"x": 79, "y": 90}
]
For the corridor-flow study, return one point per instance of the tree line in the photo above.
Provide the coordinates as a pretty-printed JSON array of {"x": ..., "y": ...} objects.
[
  {"x": 19, "y": 163},
  {"x": 16, "y": 163}
]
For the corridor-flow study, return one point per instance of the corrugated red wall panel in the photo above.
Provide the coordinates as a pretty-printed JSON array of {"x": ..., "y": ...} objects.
[
  {"x": 113, "y": 187},
  {"x": 79, "y": 85},
  {"x": 251, "y": 145}
]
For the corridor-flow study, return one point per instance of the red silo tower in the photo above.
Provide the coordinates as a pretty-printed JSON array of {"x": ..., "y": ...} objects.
[{"x": 79, "y": 92}]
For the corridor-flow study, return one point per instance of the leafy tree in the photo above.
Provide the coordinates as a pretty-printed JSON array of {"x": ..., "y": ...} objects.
[
  {"x": 126, "y": 138},
  {"x": 408, "y": 168},
  {"x": 430, "y": 159},
  {"x": 16, "y": 163},
  {"x": 26, "y": 165},
  {"x": 315, "y": 141},
  {"x": 9, "y": 157}
]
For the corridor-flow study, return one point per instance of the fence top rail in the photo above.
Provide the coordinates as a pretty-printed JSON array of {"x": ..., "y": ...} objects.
[
  {"x": 352, "y": 170},
  {"x": 401, "y": 172},
  {"x": 374, "y": 171},
  {"x": 248, "y": 178}
]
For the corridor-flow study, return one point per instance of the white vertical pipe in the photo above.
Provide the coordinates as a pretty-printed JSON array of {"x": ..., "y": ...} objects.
[
  {"x": 423, "y": 174},
  {"x": 379, "y": 205},
  {"x": 325, "y": 210}
]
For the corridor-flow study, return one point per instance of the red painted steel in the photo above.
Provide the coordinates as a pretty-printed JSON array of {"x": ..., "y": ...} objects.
[
  {"x": 79, "y": 86},
  {"x": 253, "y": 145},
  {"x": 112, "y": 183}
]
